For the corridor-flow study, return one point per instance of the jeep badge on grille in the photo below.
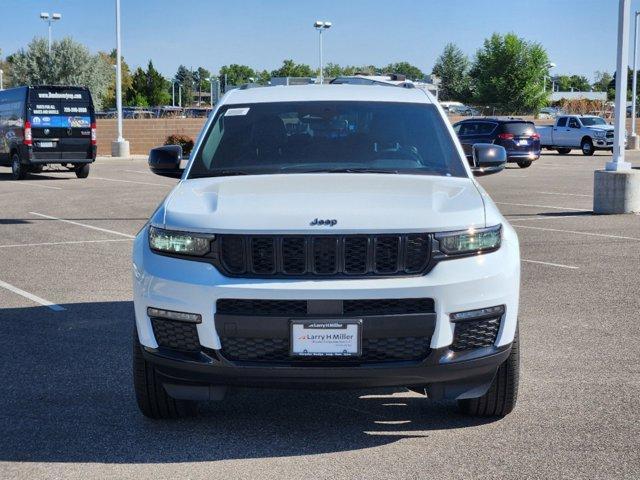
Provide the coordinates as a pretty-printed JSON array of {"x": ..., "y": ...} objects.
[{"x": 326, "y": 223}]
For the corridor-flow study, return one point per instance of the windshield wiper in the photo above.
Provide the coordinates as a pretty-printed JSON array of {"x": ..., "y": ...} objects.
[
  {"x": 221, "y": 173},
  {"x": 350, "y": 170}
]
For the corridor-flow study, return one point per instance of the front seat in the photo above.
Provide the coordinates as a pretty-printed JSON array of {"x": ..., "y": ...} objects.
[{"x": 268, "y": 137}]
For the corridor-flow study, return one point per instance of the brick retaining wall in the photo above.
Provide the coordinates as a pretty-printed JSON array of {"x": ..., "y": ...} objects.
[{"x": 144, "y": 134}]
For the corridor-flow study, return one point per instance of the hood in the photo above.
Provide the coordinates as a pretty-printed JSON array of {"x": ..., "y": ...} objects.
[{"x": 289, "y": 203}]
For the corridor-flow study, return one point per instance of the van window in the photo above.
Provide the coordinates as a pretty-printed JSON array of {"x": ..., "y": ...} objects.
[
  {"x": 60, "y": 108},
  {"x": 298, "y": 137}
]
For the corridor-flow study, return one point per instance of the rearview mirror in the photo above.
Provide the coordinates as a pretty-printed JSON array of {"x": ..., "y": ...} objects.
[
  {"x": 488, "y": 159},
  {"x": 166, "y": 161}
]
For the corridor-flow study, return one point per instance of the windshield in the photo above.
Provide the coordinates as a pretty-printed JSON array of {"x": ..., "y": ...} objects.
[
  {"x": 591, "y": 121},
  {"x": 299, "y": 137}
]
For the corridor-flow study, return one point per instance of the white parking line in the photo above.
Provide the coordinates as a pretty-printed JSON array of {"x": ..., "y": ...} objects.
[
  {"x": 71, "y": 242},
  {"x": 591, "y": 234},
  {"x": 138, "y": 171},
  {"x": 545, "y": 218},
  {"x": 82, "y": 225},
  {"x": 566, "y": 194},
  {"x": 551, "y": 264},
  {"x": 53, "y": 306},
  {"x": 132, "y": 181},
  {"x": 32, "y": 184},
  {"x": 543, "y": 206}
]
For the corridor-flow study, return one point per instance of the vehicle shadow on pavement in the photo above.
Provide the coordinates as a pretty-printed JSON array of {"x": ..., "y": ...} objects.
[
  {"x": 68, "y": 397},
  {"x": 39, "y": 176}
]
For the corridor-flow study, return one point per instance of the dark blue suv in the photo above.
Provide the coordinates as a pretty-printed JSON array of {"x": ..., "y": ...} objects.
[{"x": 518, "y": 137}]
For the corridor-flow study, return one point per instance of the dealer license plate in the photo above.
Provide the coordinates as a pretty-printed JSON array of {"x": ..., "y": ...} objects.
[{"x": 326, "y": 338}]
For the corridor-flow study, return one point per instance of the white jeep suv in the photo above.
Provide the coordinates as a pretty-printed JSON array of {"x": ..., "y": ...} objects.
[{"x": 326, "y": 236}]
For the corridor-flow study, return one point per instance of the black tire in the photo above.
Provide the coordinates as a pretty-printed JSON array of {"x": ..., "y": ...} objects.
[
  {"x": 524, "y": 163},
  {"x": 500, "y": 399},
  {"x": 587, "y": 147},
  {"x": 563, "y": 151},
  {"x": 153, "y": 400},
  {"x": 18, "y": 170},
  {"x": 82, "y": 171}
]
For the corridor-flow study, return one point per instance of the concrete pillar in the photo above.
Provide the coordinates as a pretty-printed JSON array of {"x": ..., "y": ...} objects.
[
  {"x": 120, "y": 148},
  {"x": 616, "y": 191}
]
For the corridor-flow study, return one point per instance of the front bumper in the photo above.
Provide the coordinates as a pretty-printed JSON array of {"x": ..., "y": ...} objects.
[
  {"x": 454, "y": 285},
  {"x": 444, "y": 374},
  {"x": 603, "y": 143}
]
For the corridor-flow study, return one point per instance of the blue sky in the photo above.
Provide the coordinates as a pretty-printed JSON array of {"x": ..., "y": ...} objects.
[{"x": 580, "y": 35}]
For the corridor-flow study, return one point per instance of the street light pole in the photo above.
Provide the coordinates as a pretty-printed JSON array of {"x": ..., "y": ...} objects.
[
  {"x": 550, "y": 65},
  {"x": 50, "y": 19},
  {"x": 119, "y": 148},
  {"x": 634, "y": 141},
  {"x": 320, "y": 26},
  {"x": 618, "y": 161},
  {"x": 617, "y": 188}
]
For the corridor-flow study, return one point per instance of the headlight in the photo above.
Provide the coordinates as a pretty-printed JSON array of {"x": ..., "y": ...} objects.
[
  {"x": 470, "y": 241},
  {"x": 180, "y": 243}
]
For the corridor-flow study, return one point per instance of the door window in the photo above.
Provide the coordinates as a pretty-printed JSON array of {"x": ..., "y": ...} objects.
[
  {"x": 573, "y": 123},
  {"x": 562, "y": 122}
]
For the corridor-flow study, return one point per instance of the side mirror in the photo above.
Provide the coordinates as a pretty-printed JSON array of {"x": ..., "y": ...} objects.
[
  {"x": 488, "y": 159},
  {"x": 166, "y": 160}
]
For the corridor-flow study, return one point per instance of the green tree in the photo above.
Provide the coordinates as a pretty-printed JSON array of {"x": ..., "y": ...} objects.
[
  {"x": 70, "y": 63},
  {"x": 333, "y": 70},
  {"x": 185, "y": 77},
  {"x": 264, "y": 77},
  {"x": 148, "y": 88},
  {"x": 508, "y": 73},
  {"x": 109, "y": 100},
  {"x": 137, "y": 95},
  {"x": 5, "y": 66},
  {"x": 578, "y": 83},
  {"x": 602, "y": 81},
  {"x": 452, "y": 67},
  {"x": 404, "y": 68},
  {"x": 157, "y": 87},
  {"x": 238, "y": 74},
  {"x": 290, "y": 68},
  {"x": 201, "y": 80}
]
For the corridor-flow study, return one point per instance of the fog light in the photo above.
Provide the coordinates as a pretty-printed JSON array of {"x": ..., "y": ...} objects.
[
  {"x": 476, "y": 314},
  {"x": 171, "y": 315}
]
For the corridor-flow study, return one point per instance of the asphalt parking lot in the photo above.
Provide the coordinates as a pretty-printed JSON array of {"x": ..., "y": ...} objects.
[{"x": 67, "y": 403}]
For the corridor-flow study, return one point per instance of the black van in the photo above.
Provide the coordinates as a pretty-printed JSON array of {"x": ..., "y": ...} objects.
[{"x": 45, "y": 125}]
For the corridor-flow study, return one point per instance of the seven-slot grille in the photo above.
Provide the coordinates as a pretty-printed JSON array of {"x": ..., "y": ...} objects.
[{"x": 324, "y": 255}]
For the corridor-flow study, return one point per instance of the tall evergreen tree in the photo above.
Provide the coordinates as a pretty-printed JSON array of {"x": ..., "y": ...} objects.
[{"x": 452, "y": 68}]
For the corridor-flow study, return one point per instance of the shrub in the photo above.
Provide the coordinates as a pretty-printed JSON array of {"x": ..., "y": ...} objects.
[{"x": 184, "y": 141}]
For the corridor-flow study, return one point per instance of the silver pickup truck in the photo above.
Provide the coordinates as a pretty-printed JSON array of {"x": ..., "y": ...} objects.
[{"x": 586, "y": 132}]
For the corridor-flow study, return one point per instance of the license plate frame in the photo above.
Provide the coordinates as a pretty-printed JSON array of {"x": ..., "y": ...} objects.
[
  {"x": 320, "y": 347},
  {"x": 523, "y": 143},
  {"x": 46, "y": 144}
]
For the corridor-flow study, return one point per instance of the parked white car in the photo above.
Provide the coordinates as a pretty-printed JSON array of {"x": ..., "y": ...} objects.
[
  {"x": 326, "y": 236},
  {"x": 586, "y": 132}
]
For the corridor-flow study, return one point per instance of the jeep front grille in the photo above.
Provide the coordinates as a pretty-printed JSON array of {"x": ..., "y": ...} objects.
[{"x": 260, "y": 256}]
